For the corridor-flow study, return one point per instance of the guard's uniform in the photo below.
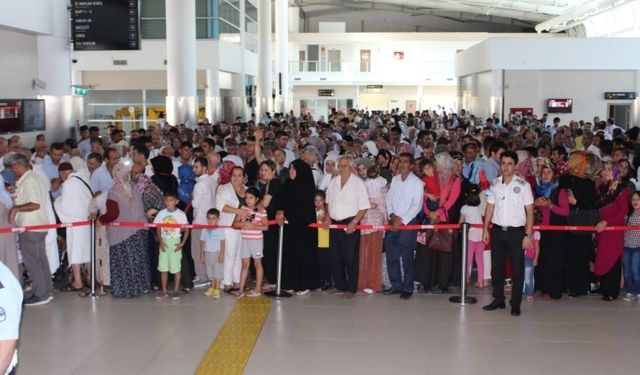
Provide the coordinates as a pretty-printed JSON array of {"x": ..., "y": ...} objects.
[
  {"x": 10, "y": 309},
  {"x": 509, "y": 219}
]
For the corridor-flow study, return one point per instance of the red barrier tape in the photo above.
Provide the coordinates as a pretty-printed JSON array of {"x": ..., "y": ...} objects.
[
  {"x": 130, "y": 224},
  {"x": 44, "y": 227}
]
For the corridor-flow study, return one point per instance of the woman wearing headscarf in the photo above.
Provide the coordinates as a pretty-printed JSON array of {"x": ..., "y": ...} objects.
[
  {"x": 229, "y": 199},
  {"x": 329, "y": 170},
  {"x": 552, "y": 203},
  {"x": 128, "y": 255},
  {"x": 162, "y": 174},
  {"x": 295, "y": 202},
  {"x": 613, "y": 205},
  {"x": 383, "y": 159},
  {"x": 8, "y": 249},
  {"x": 581, "y": 191}
]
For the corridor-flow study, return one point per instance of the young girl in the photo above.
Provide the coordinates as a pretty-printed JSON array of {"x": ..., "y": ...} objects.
[
  {"x": 631, "y": 260},
  {"x": 530, "y": 262},
  {"x": 324, "y": 260},
  {"x": 431, "y": 185},
  {"x": 470, "y": 213},
  {"x": 252, "y": 223}
]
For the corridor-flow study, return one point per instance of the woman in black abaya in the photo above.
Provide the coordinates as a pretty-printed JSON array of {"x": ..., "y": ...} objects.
[{"x": 295, "y": 203}]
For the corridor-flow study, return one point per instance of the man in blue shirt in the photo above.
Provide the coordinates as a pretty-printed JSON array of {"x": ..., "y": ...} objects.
[
  {"x": 52, "y": 162},
  {"x": 491, "y": 167},
  {"x": 10, "y": 310},
  {"x": 101, "y": 180}
]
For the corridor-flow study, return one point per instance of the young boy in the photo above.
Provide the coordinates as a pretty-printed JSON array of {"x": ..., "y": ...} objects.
[
  {"x": 212, "y": 253},
  {"x": 170, "y": 245}
]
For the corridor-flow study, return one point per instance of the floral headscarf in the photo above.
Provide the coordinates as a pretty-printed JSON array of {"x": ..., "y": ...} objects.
[
  {"x": 122, "y": 180},
  {"x": 225, "y": 172}
]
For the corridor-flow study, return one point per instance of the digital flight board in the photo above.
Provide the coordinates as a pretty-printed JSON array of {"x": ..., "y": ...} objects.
[{"x": 100, "y": 25}]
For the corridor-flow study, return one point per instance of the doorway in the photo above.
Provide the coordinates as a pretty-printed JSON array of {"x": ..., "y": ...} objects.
[
  {"x": 410, "y": 106},
  {"x": 334, "y": 60},
  {"x": 621, "y": 114},
  {"x": 302, "y": 58},
  {"x": 365, "y": 60}
]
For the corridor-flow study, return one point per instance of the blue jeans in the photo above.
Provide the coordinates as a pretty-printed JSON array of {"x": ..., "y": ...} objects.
[
  {"x": 400, "y": 245},
  {"x": 529, "y": 280},
  {"x": 631, "y": 270}
]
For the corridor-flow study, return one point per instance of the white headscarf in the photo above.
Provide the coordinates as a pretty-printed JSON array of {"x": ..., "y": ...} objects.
[
  {"x": 5, "y": 197},
  {"x": 371, "y": 147}
]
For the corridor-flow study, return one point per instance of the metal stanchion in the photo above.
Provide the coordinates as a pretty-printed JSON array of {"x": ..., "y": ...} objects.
[
  {"x": 463, "y": 299},
  {"x": 279, "y": 293},
  {"x": 94, "y": 294}
]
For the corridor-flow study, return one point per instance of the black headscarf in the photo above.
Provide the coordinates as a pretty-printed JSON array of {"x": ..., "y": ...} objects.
[
  {"x": 162, "y": 174},
  {"x": 296, "y": 196}
]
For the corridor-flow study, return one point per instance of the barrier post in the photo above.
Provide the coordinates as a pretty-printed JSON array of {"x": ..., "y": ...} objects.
[
  {"x": 93, "y": 258},
  {"x": 279, "y": 293},
  {"x": 463, "y": 299}
]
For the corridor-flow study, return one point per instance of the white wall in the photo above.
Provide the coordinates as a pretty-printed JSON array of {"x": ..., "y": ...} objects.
[
  {"x": 18, "y": 65},
  {"x": 531, "y": 88}
]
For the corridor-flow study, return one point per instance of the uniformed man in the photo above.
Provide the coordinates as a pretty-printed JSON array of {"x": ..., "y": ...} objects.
[
  {"x": 510, "y": 210},
  {"x": 10, "y": 310}
]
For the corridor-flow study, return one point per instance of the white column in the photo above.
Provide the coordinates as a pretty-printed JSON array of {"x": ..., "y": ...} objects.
[
  {"x": 282, "y": 46},
  {"x": 182, "y": 99},
  {"x": 212, "y": 96},
  {"x": 264, "y": 58},
  {"x": 497, "y": 93}
]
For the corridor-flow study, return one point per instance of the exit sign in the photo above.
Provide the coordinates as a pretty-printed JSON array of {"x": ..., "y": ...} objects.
[{"x": 619, "y": 95}]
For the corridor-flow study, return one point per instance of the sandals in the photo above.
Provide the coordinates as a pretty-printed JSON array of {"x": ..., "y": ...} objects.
[
  {"x": 252, "y": 293},
  {"x": 71, "y": 288},
  {"x": 238, "y": 294}
]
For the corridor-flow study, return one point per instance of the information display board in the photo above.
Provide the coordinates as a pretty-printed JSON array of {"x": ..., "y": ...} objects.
[
  {"x": 10, "y": 115},
  {"x": 33, "y": 115},
  {"x": 99, "y": 25}
]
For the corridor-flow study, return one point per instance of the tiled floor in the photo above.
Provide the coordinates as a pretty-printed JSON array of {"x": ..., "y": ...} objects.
[{"x": 323, "y": 334}]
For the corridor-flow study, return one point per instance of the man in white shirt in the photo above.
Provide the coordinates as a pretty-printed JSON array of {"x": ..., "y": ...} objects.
[
  {"x": 202, "y": 200},
  {"x": 282, "y": 141},
  {"x": 10, "y": 311},
  {"x": 347, "y": 202},
  {"x": 510, "y": 210},
  {"x": 403, "y": 203}
]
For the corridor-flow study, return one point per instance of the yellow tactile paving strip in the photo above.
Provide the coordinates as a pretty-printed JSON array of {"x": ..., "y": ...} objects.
[{"x": 229, "y": 353}]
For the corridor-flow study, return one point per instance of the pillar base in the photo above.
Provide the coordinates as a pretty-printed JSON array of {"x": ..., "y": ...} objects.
[
  {"x": 234, "y": 106},
  {"x": 182, "y": 110}
]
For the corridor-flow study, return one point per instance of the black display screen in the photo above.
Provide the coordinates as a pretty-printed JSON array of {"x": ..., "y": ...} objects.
[
  {"x": 10, "y": 115},
  {"x": 99, "y": 25},
  {"x": 33, "y": 115}
]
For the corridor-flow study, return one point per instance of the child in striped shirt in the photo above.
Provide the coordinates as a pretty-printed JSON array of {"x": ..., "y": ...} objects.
[{"x": 253, "y": 221}]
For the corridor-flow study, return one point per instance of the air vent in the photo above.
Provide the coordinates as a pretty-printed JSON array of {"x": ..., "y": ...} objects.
[
  {"x": 119, "y": 62},
  {"x": 323, "y": 79},
  {"x": 449, "y": 79},
  {"x": 165, "y": 62},
  {"x": 297, "y": 79}
]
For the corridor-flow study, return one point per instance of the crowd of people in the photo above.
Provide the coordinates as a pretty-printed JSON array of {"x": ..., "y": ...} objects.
[{"x": 355, "y": 168}]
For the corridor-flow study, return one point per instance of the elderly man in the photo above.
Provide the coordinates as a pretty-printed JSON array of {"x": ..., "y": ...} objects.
[
  {"x": 32, "y": 200},
  {"x": 348, "y": 201},
  {"x": 73, "y": 205},
  {"x": 403, "y": 203}
]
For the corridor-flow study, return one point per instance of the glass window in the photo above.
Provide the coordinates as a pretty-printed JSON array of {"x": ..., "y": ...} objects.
[
  {"x": 250, "y": 10},
  {"x": 229, "y": 12},
  {"x": 153, "y": 29},
  {"x": 152, "y": 8}
]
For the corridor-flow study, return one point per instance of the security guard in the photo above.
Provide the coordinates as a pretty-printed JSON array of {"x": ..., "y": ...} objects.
[
  {"x": 510, "y": 210},
  {"x": 10, "y": 310}
]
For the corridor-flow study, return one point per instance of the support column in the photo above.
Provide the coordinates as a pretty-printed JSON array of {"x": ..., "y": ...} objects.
[
  {"x": 212, "y": 96},
  {"x": 264, "y": 59},
  {"x": 182, "y": 99},
  {"x": 497, "y": 94},
  {"x": 282, "y": 46}
]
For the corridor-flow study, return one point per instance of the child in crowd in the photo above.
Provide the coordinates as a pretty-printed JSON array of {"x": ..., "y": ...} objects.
[
  {"x": 530, "y": 262},
  {"x": 252, "y": 223},
  {"x": 324, "y": 260},
  {"x": 471, "y": 214},
  {"x": 170, "y": 249},
  {"x": 431, "y": 185},
  {"x": 631, "y": 260},
  {"x": 212, "y": 253}
]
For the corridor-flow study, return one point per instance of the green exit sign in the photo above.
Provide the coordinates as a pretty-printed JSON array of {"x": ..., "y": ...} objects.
[{"x": 80, "y": 90}]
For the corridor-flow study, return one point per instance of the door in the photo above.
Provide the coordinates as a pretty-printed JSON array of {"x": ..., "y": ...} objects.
[
  {"x": 410, "y": 106},
  {"x": 302, "y": 57},
  {"x": 621, "y": 114},
  {"x": 365, "y": 60},
  {"x": 334, "y": 60},
  {"x": 314, "y": 57}
]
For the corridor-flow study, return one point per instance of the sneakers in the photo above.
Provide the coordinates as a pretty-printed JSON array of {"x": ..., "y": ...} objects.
[
  {"x": 212, "y": 292},
  {"x": 368, "y": 291},
  {"x": 174, "y": 296},
  {"x": 161, "y": 295},
  {"x": 303, "y": 292},
  {"x": 197, "y": 283},
  {"x": 35, "y": 301},
  {"x": 628, "y": 297}
]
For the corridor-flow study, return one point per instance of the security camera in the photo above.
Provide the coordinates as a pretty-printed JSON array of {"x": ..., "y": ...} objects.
[
  {"x": 38, "y": 83},
  {"x": 74, "y": 60}
]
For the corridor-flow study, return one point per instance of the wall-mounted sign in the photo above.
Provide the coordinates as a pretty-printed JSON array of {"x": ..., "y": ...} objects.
[
  {"x": 619, "y": 95},
  {"x": 104, "y": 25},
  {"x": 326, "y": 92},
  {"x": 399, "y": 55},
  {"x": 375, "y": 87}
]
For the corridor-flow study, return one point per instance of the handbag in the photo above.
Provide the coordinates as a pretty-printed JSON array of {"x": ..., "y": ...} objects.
[
  {"x": 440, "y": 240},
  {"x": 586, "y": 217}
]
